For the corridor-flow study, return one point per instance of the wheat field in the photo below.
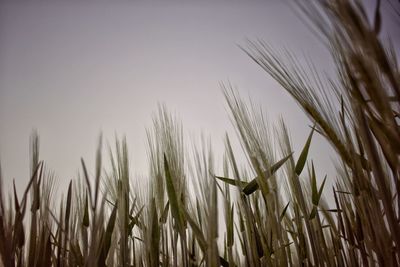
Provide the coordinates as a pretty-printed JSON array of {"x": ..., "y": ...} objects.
[{"x": 272, "y": 213}]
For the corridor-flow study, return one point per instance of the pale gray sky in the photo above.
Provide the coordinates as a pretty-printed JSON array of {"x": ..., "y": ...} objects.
[{"x": 71, "y": 69}]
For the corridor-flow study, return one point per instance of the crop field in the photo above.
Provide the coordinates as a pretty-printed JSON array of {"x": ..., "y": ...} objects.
[{"x": 271, "y": 213}]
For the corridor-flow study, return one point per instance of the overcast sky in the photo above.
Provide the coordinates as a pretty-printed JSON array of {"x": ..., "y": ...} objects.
[{"x": 72, "y": 69}]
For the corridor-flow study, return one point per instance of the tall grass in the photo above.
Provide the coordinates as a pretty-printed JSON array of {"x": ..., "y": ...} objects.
[{"x": 274, "y": 212}]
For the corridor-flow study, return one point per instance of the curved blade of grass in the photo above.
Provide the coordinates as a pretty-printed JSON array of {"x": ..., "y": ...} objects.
[
  {"x": 98, "y": 170},
  {"x": 110, "y": 229},
  {"x": 316, "y": 193},
  {"x": 16, "y": 201},
  {"x": 313, "y": 213},
  {"x": 304, "y": 153},
  {"x": 155, "y": 235},
  {"x": 232, "y": 181},
  {"x": 173, "y": 199},
  {"x": 164, "y": 215},
  {"x": 89, "y": 188},
  {"x": 85, "y": 220},
  {"x": 68, "y": 205},
  {"x": 321, "y": 189},
  {"x": 284, "y": 212},
  {"x": 252, "y": 186},
  {"x": 66, "y": 220},
  {"x": 23, "y": 200},
  {"x": 19, "y": 235},
  {"x": 197, "y": 232},
  {"x": 314, "y": 189},
  {"x": 230, "y": 237}
]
